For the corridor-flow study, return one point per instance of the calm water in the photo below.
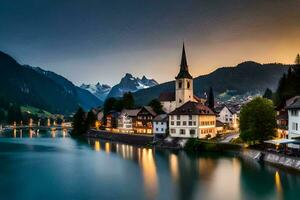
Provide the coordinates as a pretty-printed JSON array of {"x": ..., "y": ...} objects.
[{"x": 51, "y": 165}]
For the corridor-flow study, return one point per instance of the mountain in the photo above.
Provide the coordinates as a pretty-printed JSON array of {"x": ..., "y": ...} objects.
[
  {"x": 99, "y": 90},
  {"x": 131, "y": 84},
  {"x": 33, "y": 86},
  {"x": 246, "y": 77},
  {"x": 85, "y": 98}
]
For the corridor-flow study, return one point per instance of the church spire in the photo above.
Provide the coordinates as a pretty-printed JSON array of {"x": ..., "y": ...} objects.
[
  {"x": 184, "y": 69},
  {"x": 183, "y": 64}
]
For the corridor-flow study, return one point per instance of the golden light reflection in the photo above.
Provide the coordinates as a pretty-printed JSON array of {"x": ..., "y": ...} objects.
[
  {"x": 174, "y": 167},
  {"x": 15, "y": 133},
  {"x": 107, "y": 147},
  {"x": 64, "y": 133},
  {"x": 21, "y": 133},
  {"x": 53, "y": 132},
  {"x": 278, "y": 185},
  {"x": 97, "y": 146},
  {"x": 147, "y": 163}
]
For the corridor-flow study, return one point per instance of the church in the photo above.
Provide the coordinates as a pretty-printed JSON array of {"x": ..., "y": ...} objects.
[{"x": 188, "y": 116}]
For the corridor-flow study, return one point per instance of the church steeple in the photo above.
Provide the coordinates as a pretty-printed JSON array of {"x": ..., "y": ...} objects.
[
  {"x": 183, "y": 64},
  {"x": 184, "y": 69}
]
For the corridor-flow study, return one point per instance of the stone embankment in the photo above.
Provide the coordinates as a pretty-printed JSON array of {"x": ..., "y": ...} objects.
[{"x": 276, "y": 159}]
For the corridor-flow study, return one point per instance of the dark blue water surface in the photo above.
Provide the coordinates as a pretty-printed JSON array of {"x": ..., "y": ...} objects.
[{"x": 51, "y": 165}]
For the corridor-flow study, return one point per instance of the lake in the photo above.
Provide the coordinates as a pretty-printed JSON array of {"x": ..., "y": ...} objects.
[{"x": 51, "y": 165}]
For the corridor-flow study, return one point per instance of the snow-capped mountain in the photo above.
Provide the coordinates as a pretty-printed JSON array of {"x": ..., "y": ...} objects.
[
  {"x": 99, "y": 90},
  {"x": 131, "y": 84}
]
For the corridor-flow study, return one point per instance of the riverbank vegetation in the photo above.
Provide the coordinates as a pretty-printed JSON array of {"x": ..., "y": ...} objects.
[
  {"x": 257, "y": 120},
  {"x": 197, "y": 145}
]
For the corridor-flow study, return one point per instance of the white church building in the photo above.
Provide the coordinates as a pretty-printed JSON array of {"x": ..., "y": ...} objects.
[{"x": 188, "y": 116}]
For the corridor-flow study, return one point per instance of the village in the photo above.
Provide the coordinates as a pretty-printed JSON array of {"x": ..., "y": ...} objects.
[{"x": 187, "y": 116}]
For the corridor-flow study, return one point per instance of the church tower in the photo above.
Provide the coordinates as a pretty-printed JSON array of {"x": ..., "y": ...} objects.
[{"x": 184, "y": 83}]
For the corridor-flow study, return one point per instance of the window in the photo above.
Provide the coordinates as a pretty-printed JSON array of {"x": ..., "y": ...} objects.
[
  {"x": 190, "y": 123},
  {"x": 192, "y": 132},
  {"x": 190, "y": 117},
  {"x": 194, "y": 123},
  {"x": 180, "y": 84},
  {"x": 295, "y": 126},
  {"x": 178, "y": 117},
  {"x": 172, "y": 123},
  {"x": 172, "y": 117},
  {"x": 161, "y": 129},
  {"x": 188, "y": 85},
  {"x": 173, "y": 130},
  {"x": 294, "y": 113},
  {"x": 156, "y": 129},
  {"x": 180, "y": 100},
  {"x": 182, "y": 131},
  {"x": 161, "y": 123},
  {"x": 178, "y": 123},
  {"x": 184, "y": 123}
]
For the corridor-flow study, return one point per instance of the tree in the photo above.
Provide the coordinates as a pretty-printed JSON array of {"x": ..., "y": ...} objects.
[
  {"x": 90, "y": 119},
  {"x": 211, "y": 99},
  {"x": 156, "y": 106},
  {"x": 268, "y": 94},
  {"x": 109, "y": 105},
  {"x": 297, "y": 60},
  {"x": 14, "y": 114},
  {"x": 79, "y": 123},
  {"x": 257, "y": 120},
  {"x": 128, "y": 100}
]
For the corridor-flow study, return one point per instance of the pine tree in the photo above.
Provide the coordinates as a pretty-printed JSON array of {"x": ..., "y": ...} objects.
[
  {"x": 90, "y": 119},
  {"x": 128, "y": 100},
  {"x": 268, "y": 94},
  {"x": 156, "y": 106},
  {"x": 79, "y": 123},
  {"x": 297, "y": 60},
  {"x": 211, "y": 99}
]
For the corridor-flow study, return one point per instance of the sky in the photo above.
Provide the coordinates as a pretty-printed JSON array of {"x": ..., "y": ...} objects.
[{"x": 99, "y": 41}]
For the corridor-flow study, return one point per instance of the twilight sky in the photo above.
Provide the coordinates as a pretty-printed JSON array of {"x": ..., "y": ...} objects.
[{"x": 98, "y": 40}]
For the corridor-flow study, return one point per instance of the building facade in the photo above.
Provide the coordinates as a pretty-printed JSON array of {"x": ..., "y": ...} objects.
[
  {"x": 160, "y": 125},
  {"x": 229, "y": 116},
  {"x": 294, "y": 122}
]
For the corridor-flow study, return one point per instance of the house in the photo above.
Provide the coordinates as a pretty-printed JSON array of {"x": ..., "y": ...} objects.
[
  {"x": 126, "y": 120},
  {"x": 282, "y": 123},
  {"x": 112, "y": 120},
  {"x": 160, "y": 125},
  {"x": 138, "y": 121},
  {"x": 229, "y": 116},
  {"x": 191, "y": 118},
  {"x": 143, "y": 122},
  {"x": 294, "y": 121}
]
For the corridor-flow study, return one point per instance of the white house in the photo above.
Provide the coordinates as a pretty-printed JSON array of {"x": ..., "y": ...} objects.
[
  {"x": 229, "y": 116},
  {"x": 160, "y": 125},
  {"x": 294, "y": 121},
  {"x": 191, "y": 118}
]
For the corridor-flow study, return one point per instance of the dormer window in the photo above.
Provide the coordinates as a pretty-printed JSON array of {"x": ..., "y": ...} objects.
[{"x": 180, "y": 84}]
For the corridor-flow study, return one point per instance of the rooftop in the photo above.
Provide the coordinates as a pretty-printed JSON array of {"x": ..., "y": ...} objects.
[{"x": 192, "y": 108}]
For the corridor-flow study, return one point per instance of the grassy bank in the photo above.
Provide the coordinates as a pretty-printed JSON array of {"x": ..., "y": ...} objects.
[{"x": 196, "y": 145}]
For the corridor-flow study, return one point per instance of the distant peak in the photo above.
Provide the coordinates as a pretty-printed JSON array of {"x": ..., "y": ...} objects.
[{"x": 249, "y": 64}]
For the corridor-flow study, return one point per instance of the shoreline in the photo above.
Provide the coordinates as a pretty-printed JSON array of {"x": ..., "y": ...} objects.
[{"x": 277, "y": 160}]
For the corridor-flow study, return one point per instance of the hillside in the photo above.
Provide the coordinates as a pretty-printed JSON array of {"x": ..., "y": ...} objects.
[
  {"x": 245, "y": 77},
  {"x": 26, "y": 85}
]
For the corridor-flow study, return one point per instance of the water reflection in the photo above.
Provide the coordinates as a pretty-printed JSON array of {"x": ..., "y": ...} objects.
[
  {"x": 202, "y": 177},
  {"x": 35, "y": 133},
  {"x": 278, "y": 186},
  {"x": 173, "y": 159}
]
